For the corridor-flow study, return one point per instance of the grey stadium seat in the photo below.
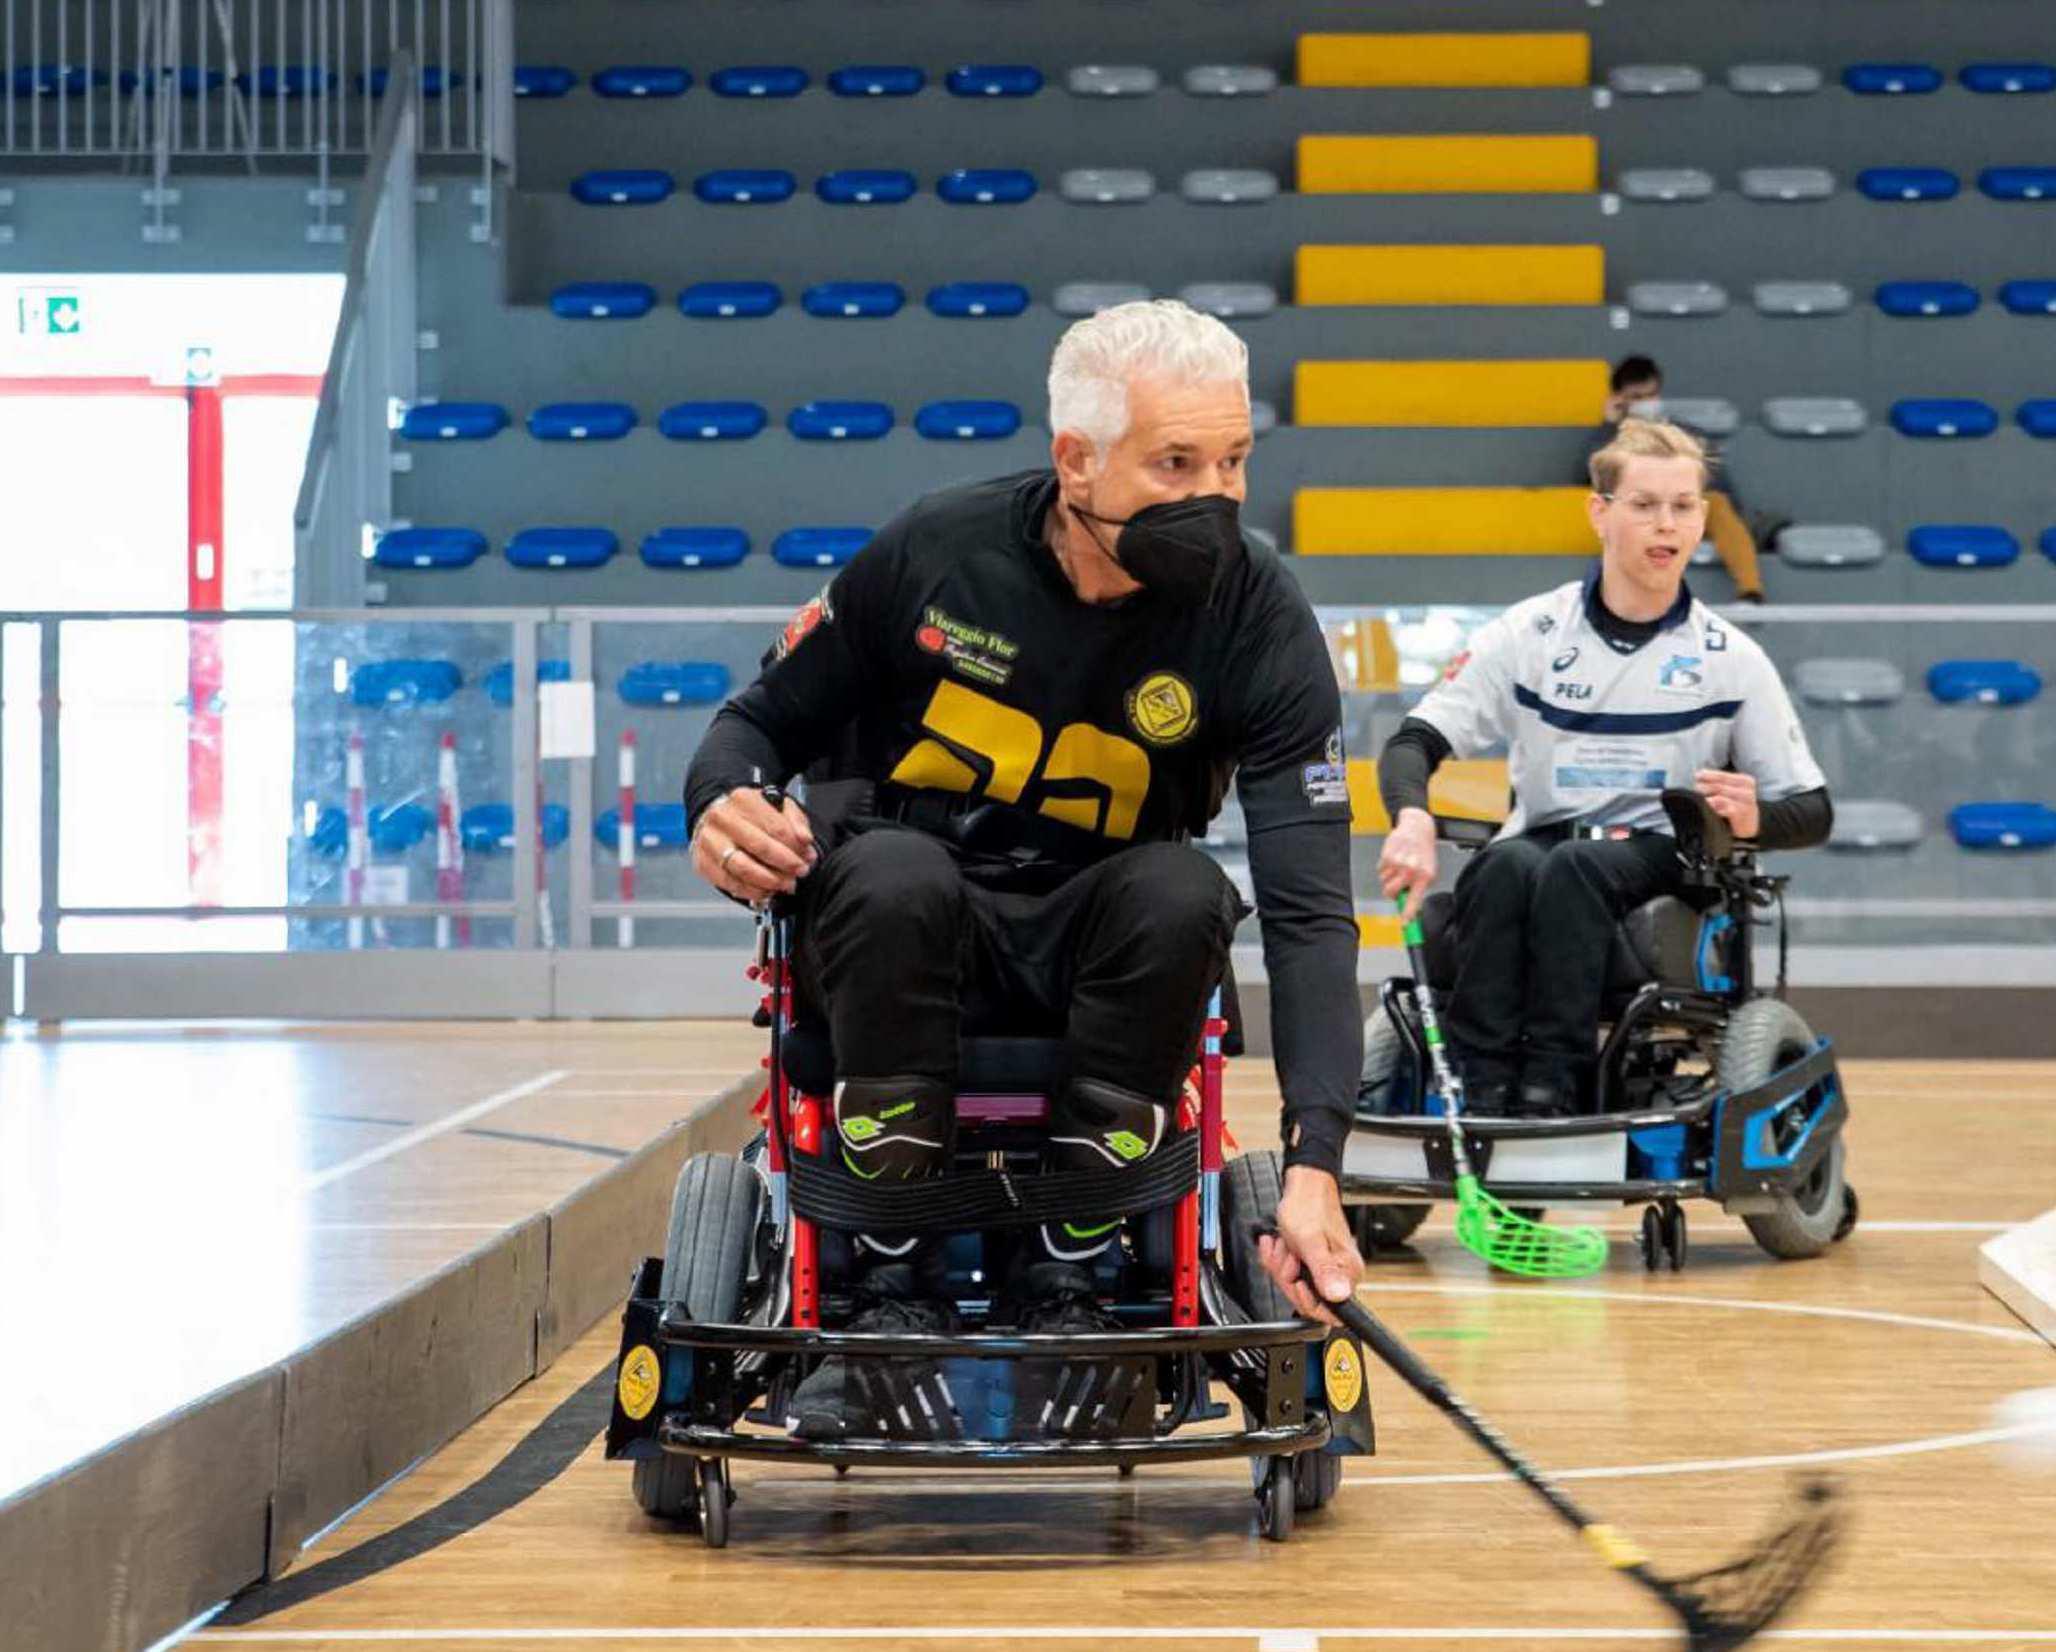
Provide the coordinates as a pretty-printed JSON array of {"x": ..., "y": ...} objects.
[
  {"x": 1787, "y": 183},
  {"x": 1230, "y": 299},
  {"x": 1874, "y": 823},
  {"x": 1709, "y": 415},
  {"x": 1842, "y": 682},
  {"x": 1774, "y": 80},
  {"x": 1090, "y": 297},
  {"x": 1112, "y": 80},
  {"x": 1230, "y": 80},
  {"x": 1106, "y": 185},
  {"x": 1666, "y": 183},
  {"x": 1815, "y": 416},
  {"x": 1263, "y": 418},
  {"x": 1228, "y": 185},
  {"x": 1830, "y": 545},
  {"x": 1676, "y": 298},
  {"x": 1802, "y": 297},
  {"x": 1656, "y": 80}
]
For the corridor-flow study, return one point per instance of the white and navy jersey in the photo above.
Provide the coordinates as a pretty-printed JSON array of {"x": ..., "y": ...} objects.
[{"x": 1594, "y": 733}]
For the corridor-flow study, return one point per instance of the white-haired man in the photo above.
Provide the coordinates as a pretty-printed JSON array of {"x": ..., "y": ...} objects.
[{"x": 1051, "y": 678}]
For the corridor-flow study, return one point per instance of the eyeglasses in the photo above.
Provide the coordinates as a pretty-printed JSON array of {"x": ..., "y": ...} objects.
[{"x": 1642, "y": 508}]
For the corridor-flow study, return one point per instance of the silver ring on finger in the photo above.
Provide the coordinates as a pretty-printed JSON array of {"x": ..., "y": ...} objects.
[{"x": 721, "y": 865}]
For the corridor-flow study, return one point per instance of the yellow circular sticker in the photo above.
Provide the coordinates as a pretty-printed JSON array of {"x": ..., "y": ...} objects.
[
  {"x": 641, "y": 1379},
  {"x": 1342, "y": 1370},
  {"x": 1162, "y": 708}
]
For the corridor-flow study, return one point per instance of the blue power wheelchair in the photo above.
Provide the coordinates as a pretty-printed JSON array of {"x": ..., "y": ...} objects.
[
  {"x": 1707, "y": 1087},
  {"x": 751, "y": 1288}
]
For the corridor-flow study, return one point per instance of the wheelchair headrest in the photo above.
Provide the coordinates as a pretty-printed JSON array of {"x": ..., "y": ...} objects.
[{"x": 1701, "y": 834}]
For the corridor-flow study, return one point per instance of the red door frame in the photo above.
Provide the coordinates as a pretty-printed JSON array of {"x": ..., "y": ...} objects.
[{"x": 206, "y": 564}]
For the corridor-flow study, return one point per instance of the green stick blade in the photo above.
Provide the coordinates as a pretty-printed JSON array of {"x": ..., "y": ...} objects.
[{"x": 1509, "y": 1241}]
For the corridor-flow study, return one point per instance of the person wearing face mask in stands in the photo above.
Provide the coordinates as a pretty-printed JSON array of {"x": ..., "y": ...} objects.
[{"x": 1048, "y": 681}]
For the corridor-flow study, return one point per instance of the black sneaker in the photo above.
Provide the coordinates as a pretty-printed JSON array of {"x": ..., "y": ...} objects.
[
  {"x": 1058, "y": 1299},
  {"x": 843, "y": 1399},
  {"x": 1547, "y": 1094}
]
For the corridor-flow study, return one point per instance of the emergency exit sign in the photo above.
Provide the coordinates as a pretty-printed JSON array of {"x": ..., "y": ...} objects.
[{"x": 49, "y": 312}]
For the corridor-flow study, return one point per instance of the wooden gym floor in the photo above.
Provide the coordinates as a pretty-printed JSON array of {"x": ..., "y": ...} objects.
[{"x": 1676, "y": 1404}]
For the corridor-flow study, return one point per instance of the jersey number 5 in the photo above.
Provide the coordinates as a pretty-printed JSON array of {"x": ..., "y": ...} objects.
[{"x": 1092, "y": 779}]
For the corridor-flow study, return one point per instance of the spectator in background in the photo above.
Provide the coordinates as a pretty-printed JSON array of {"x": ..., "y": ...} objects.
[{"x": 1636, "y": 380}]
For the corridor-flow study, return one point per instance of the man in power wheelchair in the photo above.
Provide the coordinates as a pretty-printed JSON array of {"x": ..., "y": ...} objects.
[
  {"x": 1653, "y": 751},
  {"x": 995, "y": 1221}
]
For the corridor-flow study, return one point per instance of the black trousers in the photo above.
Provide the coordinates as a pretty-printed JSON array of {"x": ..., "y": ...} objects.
[
  {"x": 902, "y": 951},
  {"x": 1535, "y": 918}
]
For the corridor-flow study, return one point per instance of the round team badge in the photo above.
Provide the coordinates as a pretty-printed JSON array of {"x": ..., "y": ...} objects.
[
  {"x": 1342, "y": 1372},
  {"x": 1162, "y": 708},
  {"x": 641, "y": 1378}
]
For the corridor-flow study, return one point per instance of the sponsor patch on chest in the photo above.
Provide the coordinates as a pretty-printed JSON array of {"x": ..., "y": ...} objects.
[{"x": 969, "y": 650}]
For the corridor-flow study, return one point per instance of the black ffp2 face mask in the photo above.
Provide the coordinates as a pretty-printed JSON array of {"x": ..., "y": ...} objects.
[{"x": 1179, "y": 550}]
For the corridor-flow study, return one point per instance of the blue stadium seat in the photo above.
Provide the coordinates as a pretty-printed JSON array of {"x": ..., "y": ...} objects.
[
  {"x": 429, "y": 548},
  {"x": 292, "y": 80},
  {"x": 1927, "y": 298},
  {"x": 435, "y": 81},
  {"x": 2038, "y": 418},
  {"x": 2048, "y": 543},
  {"x": 1945, "y": 417},
  {"x": 561, "y": 547},
  {"x": 398, "y": 827},
  {"x": 1891, "y": 79},
  {"x": 712, "y": 421},
  {"x": 1963, "y": 545},
  {"x": 648, "y": 81},
  {"x": 630, "y": 187},
  {"x": 49, "y": 80},
  {"x": 488, "y": 828},
  {"x": 818, "y": 547},
  {"x": 404, "y": 682},
  {"x": 968, "y": 421},
  {"x": 985, "y": 186},
  {"x": 675, "y": 683},
  {"x": 581, "y": 421},
  {"x": 844, "y": 299},
  {"x": 695, "y": 547},
  {"x": 452, "y": 421},
  {"x": 994, "y": 80},
  {"x": 837, "y": 421},
  {"x": 2009, "y": 77},
  {"x": 2029, "y": 297},
  {"x": 729, "y": 300},
  {"x": 543, "y": 80},
  {"x": 877, "y": 80},
  {"x": 2019, "y": 183},
  {"x": 866, "y": 186},
  {"x": 330, "y": 835},
  {"x": 2003, "y": 825},
  {"x": 603, "y": 300},
  {"x": 499, "y": 682},
  {"x": 978, "y": 299},
  {"x": 1985, "y": 682},
  {"x": 745, "y": 186},
  {"x": 1909, "y": 183},
  {"x": 657, "y": 826},
  {"x": 780, "y": 80}
]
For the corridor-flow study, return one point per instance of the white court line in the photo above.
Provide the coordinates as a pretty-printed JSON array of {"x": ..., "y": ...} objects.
[
  {"x": 428, "y": 1132},
  {"x": 412, "y": 1227},
  {"x": 1266, "y": 1640}
]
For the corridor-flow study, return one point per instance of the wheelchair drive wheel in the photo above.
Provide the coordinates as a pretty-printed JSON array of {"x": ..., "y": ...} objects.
[
  {"x": 1250, "y": 1186},
  {"x": 1383, "y": 1227},
  {"x": 1765, "y": 1035},
  {"x": 714, "y": 1212}
]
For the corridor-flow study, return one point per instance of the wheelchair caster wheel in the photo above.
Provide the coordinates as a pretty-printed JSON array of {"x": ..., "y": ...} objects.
[
  {"x": 715, "y": 1496},
  {"x": 1663, "y": 1237},
  {"x": 1276, "y": 1500},
  {"x": 1651, "y": 1239},
  {"x": 842, "y": 1471},
  {"x": 1127, "y": 1471},
  {"x": 1674, "y": 1239}
]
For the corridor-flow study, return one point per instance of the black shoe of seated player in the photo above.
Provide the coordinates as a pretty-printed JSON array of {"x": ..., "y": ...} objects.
[
  {"x": 1489, "y": 1092},
  {"x": 1547, "y": 1095},
  {"x": 831, "y": 1401},
  {"x": 1058, "y": 1299}
]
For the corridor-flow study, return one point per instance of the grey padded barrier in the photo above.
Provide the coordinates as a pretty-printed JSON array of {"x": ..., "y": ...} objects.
[
  {"x": 1801, "y": 298},
  {"x": 1106, "y": 185},
  {"x": 1831, "y": 545},
  {"x": 1677, "y": 298},
  {"x": 1787, "y": 183},
  {"x": 1231, "y": 300},
  {"x": 1263, "y": 418},
  {"x": 1228, "y": 185},
  {"x": 1666, "y": 183},
  {"x": 1875, "y": 823},
  {"x": 1656, "y": 80},
  {"x": 1815, "y": 416},
  {"x": 1112, "y": 80},
  {"x": 1090, "y": 297},
  {"x": 1230, "y": 80},
  {"x": 1844, "y": 682},
  {"x": 1774, "y": 80},
  {"x": 1709, "y": 415}
]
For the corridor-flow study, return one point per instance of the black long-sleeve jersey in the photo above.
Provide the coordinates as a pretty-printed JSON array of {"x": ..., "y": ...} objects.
[{"x": 951, "y": 660}]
